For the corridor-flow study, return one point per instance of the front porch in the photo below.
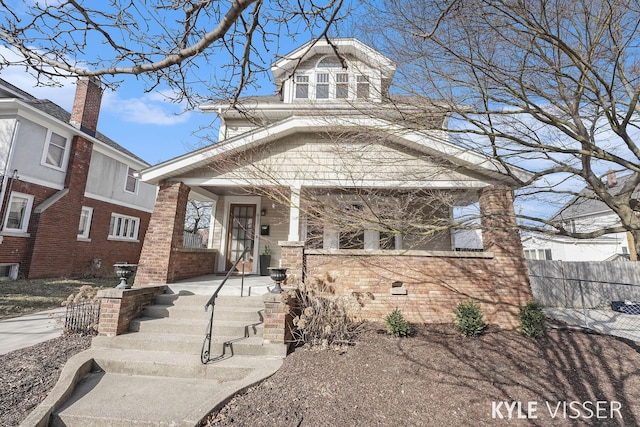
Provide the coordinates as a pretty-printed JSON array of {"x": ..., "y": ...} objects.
[{"x": 250, "y": 285}]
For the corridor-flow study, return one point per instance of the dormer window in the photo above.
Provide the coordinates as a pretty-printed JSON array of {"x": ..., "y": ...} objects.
[
  {"x": 362, "y": 88},
  {"x": 302, "y": 87},
  {"x": 322, "y": 86},
  {"x": 342, "y": 86}
]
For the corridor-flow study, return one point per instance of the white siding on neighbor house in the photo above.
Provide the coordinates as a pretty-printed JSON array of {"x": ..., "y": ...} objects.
[
  {"x": 28, "y": 153},
  {"x": 567, "y": 249},
  {"x": 107, "y": 178},
  {"x": 310, "y": 157},
  {"x": 7, "y": 125}
]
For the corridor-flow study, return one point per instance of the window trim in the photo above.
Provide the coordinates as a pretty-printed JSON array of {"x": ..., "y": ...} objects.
[
  {"x": 131, "y": 174},
  {"x": 65, "y": 155},
  {"x": 136, "y": 221},
  {"x": 27, "y": 214},
  {"x": 85, "y": 236}
]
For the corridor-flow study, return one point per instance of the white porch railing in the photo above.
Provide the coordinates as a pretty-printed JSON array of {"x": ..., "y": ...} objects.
[{"x": 193, "y": 240}]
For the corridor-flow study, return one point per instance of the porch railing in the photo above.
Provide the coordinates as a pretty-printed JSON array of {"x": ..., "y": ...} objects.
[
  {"x": 205, "y": 353},
  {"x": 192, "y": 240}
]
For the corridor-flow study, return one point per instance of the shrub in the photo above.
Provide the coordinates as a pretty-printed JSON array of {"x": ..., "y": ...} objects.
[
  {"x": 320, "y": 318},
  {"x": 469, "y": 319},
  {"x": 532, "y": 320},
  {"x": 396, "y": 324}
]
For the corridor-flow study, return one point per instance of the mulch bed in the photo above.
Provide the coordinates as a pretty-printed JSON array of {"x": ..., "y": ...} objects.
[
  {"x": 439, "y": 378},
  {"x": 434, "y": 378},
  {"x": 28, "y": 374}
]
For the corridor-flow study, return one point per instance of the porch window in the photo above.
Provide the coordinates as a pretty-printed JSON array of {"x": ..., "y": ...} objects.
[
  {"x": 17, "y": 218},
  {"x": 352, "y": 239},
  {"x": 387, "y": 240},
  {"x": 124, "y": 227}
]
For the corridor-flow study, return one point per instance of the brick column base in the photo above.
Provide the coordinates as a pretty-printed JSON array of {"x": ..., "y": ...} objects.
[
  {"x": 278, "y": 320},
  {"x": 293, "y": 258},
  {"x": 119, "y": 306}
]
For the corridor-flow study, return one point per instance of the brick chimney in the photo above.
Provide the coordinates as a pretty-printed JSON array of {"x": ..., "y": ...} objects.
[{"x": 86, "y": 105}]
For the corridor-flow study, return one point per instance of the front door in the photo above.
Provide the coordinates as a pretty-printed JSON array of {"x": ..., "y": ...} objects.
[{"x": 242, "y": 219}]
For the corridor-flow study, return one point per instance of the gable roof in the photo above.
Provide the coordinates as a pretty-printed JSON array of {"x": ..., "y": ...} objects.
[
  {"x": 429, "y": 143},
  {"x": 54, "y": 110},
  {"x": 582, "y": 205}
]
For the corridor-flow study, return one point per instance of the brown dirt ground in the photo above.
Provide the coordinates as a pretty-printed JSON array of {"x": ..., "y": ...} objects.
[{"x": 434, "y": 378}]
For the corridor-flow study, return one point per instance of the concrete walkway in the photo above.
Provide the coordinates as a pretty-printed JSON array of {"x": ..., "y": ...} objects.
[{"x": 25, "y": 331}]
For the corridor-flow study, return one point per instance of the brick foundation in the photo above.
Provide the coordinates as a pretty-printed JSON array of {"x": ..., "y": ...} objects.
[{"x": 119, "y": 306}]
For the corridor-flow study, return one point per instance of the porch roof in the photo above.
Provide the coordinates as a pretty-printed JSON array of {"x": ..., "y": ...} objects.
[{"x": 434, "y": 143}]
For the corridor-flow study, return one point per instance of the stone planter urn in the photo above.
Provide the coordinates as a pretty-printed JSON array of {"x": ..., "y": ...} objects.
[
  {"x": 124, "y": 271},
  {"x": 278, "y": 274}
]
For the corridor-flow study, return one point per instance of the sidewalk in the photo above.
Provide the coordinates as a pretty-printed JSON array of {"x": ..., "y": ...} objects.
[{"x": 25, "y": 331}]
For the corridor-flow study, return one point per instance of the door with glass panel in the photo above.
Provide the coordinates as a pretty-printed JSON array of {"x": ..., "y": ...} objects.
[{"x": 241, "y": 233}]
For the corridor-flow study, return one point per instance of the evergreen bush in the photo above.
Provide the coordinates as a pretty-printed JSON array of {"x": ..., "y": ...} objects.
[
  {"x": 469, "y": 319},
  {"x": 532, "y": 320},
  {"x": 396, "y": 324}
]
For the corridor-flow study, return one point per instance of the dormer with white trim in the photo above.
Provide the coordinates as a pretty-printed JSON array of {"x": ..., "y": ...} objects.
[{"x": 340, "y": 70}]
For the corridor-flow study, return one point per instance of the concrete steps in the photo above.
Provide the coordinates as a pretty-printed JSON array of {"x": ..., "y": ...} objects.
[{"x": 152, "y": 376}]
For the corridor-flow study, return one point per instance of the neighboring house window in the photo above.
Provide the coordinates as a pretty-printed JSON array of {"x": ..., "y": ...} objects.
[
  {"x": 124, "y": 227},
  {"x": 322, "y": 86},
  {"x": 85, "y": 222},
  {"x": 56, "y": 150},
  {"x": 19, "y": 212},
  {"x": 362, "y": 88},
  {"x": 542, "y": 254},
  {"x": 8, "y": 271},
  {"x": 342, "y": 85},
  {"x": 302, "y": 87},
  {"x": 131, "y": 185}
]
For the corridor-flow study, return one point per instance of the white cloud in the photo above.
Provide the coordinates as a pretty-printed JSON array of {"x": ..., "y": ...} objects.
[{"x": 150, "y": 109}]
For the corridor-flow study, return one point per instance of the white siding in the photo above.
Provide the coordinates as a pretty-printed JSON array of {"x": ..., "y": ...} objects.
[
  {"x": 6, "y": 134},
  {"x": 309, "y": 157}
]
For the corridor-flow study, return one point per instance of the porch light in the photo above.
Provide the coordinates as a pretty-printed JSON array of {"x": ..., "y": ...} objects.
[{"x": 263, "y": 212}]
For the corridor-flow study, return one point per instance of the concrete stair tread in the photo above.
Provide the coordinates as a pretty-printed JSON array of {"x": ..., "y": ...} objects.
[
  {"x": 115, "y": 399},
  {"x": 150, "y": 336},
  {"x": 190, "y": 324},
  {"x": 201, "y": 300}
]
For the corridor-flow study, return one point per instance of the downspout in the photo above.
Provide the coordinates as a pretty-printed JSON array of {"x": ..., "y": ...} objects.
[{"x": 5, "y": 176}]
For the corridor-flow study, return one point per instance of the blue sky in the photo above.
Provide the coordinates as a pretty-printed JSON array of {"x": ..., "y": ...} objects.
[{"x": 144, "y": 123}]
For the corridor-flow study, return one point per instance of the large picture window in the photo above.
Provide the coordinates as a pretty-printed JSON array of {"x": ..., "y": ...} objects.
[
  {"x": 124, "y": 227},
  {"x": 19, "y": 212},
  {"x": 56, "y": 150}
]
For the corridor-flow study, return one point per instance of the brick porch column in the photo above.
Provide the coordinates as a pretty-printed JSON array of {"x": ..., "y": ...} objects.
[
  {"x": 293, "y": 258},
  {"x": 164, "y": 235},
  {"x": 500, "y": 235}
]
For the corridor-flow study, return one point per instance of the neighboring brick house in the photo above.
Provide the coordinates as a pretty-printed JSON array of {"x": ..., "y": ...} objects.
[
  {"x": 332, "y": 134},
  {"x": 70, "y": 202}
]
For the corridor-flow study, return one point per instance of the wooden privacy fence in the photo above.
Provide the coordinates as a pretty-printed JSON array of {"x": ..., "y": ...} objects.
[{"x": 583, "y": 284}]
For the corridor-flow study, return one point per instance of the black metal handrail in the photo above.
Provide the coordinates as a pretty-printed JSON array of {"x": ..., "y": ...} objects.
[{"x": 205, "y": 353}]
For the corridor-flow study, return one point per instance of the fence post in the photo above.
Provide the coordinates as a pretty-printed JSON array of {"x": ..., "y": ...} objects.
[{"x": 584, "y": 309}]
